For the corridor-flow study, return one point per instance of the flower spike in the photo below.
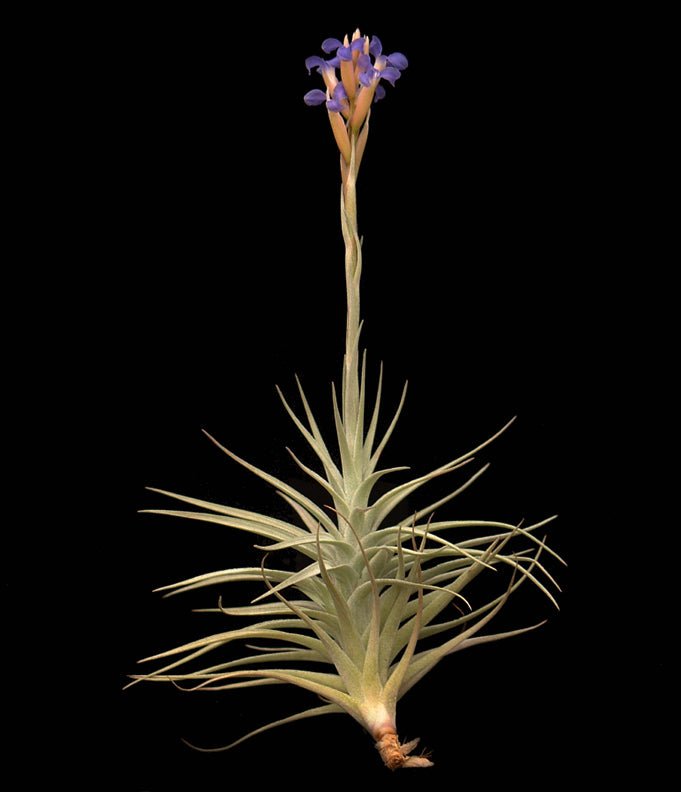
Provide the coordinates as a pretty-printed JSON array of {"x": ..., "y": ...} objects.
[{"x": 362, "y": 67}]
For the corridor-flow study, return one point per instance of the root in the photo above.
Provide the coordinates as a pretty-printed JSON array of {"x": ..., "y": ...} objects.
[{"x": 395, "y": 755}]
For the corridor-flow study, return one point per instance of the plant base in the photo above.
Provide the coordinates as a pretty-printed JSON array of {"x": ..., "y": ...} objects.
[{"x": 395, "y": 755}]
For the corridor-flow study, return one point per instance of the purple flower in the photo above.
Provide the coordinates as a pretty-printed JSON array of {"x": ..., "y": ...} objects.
[
  {"x": 362, "y": 68},
  {"x": 353, "y": 79}
]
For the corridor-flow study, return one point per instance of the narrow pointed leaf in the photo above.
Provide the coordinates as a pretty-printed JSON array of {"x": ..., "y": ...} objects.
[
  {"x": 381, "y": 447},
  {"x": 388, "y": 502},
  {"x": 290, "y": 491},
  {"x": 373, "y": 426},
  {"x": 327, "y": 709},
  {"x": 323, "y": 483},
  {"x": 447, "y": 498},
  {"x": 316, "y": 442},
  {"x": 223, "y": 576},
  {"x": 343, "y": 447}
]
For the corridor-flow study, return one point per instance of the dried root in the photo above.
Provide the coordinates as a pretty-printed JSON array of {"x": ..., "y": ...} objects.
[{"x": 395, "y": 755}]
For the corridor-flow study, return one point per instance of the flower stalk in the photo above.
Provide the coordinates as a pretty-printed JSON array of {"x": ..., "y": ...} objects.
[{"x": 353, "y": 274}]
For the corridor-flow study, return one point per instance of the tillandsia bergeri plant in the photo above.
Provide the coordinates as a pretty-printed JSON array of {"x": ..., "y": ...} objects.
[{"x": 372, "y": 589}]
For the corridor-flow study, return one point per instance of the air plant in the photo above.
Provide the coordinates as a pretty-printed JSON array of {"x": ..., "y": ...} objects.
[{"x": 372, "y": 588}]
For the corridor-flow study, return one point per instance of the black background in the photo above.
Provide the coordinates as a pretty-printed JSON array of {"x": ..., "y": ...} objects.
[{"x": 207, "y": 203}]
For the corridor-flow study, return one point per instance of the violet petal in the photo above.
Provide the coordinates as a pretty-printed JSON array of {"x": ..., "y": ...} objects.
[
  {"x": 331, "y": 44},
  {"x": 390, "y": 74},
  {"x": 314, "y": 60},
  {"x": 366, "y": 78},
  {"x": 358, "y": 44},
  {"x": 375, "y": 48},
  {"x": 314, "y": 97},
  {"x": 334, "y": 106},
  {"x": 380, "y": 92},
  {"x": 344, "y": 53},
  {"x": 398, "y": 60},
  {"x": 364, "y": 62}
]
